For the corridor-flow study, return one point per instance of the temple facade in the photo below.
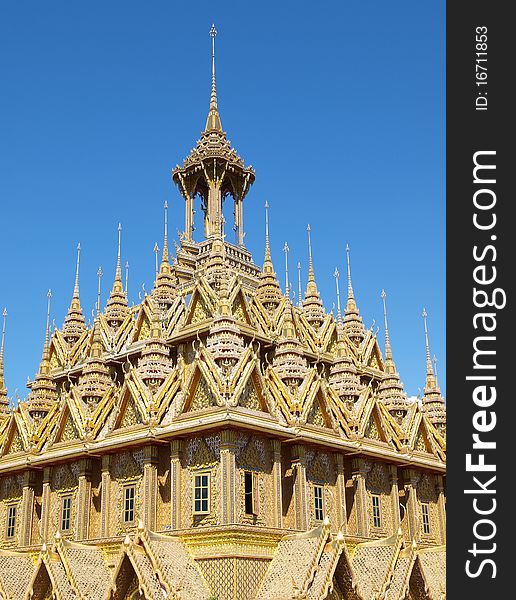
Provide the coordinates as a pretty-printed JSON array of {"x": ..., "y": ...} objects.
[{"x": 218, "y": 441}]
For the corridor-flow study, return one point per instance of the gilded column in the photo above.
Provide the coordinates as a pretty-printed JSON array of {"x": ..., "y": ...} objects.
[
  {"x": 105, "y": 494},
  {"x": 83, "y": 500},
  {"x": 360, "y": 470},
  {"x": 342, "y": 516},
  {"x": 150, "y": 486},
  {"x": 395, "y": 498},
  {"x": 411, "y": 478},
  {"x": 441, "y": 507},
  {"x": 276, "y": 475},
  {"x": 175, "y": 484},
  {"x": 189, "y": 218},
  {"x": 300, "y": 486},
  {"x": 45, "y": 504},
  {"x": 27, "y": 507},
  {"x": 228, "y": 476}
]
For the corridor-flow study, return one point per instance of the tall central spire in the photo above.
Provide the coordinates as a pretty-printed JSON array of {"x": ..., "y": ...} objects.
[
  {"x": 213, "y": 120},
  {"x": 4, "y": 402},
  {"x": 165, "y": 287},
  {"x": 117, "y": 307},
  {"x": 312, "y": 304},
  {"x": 353, "y": 325}
]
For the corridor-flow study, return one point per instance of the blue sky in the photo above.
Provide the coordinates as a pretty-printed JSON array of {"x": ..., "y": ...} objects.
[{"x": 339, "y": 106}]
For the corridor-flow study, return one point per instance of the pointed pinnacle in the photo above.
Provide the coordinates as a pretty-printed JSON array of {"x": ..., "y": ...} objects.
[
  {"x": 388, "y": 350},
  {"x": 311, "y": 276},
  {"x": 429, "y": 368},
  {"x": 47, "y": 328},
  {"x": 336, "y": 274},
  {"x": 76, "y": 287},
  {"x": 286, "y": 251},
  {"x": 267, "y": 246},
  {"x": 165, "y": 235},
  {"x": 118, "y": 275},
  {"x": 350, "y": 287},
  {"x": 4, "y": 315}
]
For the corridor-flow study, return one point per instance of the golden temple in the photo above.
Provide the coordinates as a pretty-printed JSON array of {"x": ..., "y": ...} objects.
[{"x": 218, "y": 442}]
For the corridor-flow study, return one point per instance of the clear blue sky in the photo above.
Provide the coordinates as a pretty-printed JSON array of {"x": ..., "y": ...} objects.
[{"x": 339, "y": 106}]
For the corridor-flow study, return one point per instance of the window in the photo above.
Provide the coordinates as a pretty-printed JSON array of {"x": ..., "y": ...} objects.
[
  {"x": 377, "y": 515},
  {"x": 128, "y": 515},
  {"x": 11, "y": 521},
  {"x": 66, "y": 513},
  {"x": 201, "y": 494},
  {"x": 425, "y": 513},
  {"x": 318, "y": 502},
  {"x": 251, "y": 493}
]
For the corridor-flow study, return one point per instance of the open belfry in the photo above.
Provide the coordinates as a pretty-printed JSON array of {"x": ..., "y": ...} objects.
[{"x": 218, "y": 441}]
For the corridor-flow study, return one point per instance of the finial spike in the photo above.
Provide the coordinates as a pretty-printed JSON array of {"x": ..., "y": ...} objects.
[
  {"x": 165, "y": 235},
  {"x": 99, "y": 276},
  {"x": 76, "y": 287},
  {"x": 213, "y": 121},
  {"x": 126, "y": 276},
  {"x": 350, "y": 287},
  {"x": 156, "y": 251},
  {"x": 299, "y": 294},
  {"x": 429, "y": 368},
  {"x": 336, "y": 274},
  {"x": 4, "y": 315},
  {"x": 118, "y": 275},
  {"x": 388, "y": 350},
  {"x": 47, "y": 327},
  {"x": 287, "y": 287},
  {"x": 311, "y": 276}
]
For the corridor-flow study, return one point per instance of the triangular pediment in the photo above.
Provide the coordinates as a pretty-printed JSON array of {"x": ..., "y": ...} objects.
[
  {"x": 240, "y": 306},
  {"x": 130, "y": 413},
  {"x": 318, "y": 414},
  {"x": 373, "y": 425},
  {"x": 67, "y": 428},
  {"x": 14, "y": 440},
  {"x": 201, "y": 307}
]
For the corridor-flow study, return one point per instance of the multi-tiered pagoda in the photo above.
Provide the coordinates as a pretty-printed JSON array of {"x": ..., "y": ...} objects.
[{"x": 217, "y": 441}]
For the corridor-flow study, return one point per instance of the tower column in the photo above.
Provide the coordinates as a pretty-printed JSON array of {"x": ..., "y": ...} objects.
[
  {"x": 27, "y": 507},
  {"x": 239, "y": 220},
  {"x": 105, "y": 496},
  {"x": 189, "y": 217},
  {"x": 360, "y": 470},
  {"x": 300, "y": 486},
  {"x": 150, "y": 486},
  {"x": 175, "y": 484},
  {"x": 276, "y": 474},
  {"x": 441, "y": 507},
  {"x": 393, "y": 477},
  {"x": 341, "y": 494},
  {"x": 411, "y": 478},
  {"x": 83, "y": 499},
  {"x": 228, "y": 476},
  {"x": 45, "y": 504}
]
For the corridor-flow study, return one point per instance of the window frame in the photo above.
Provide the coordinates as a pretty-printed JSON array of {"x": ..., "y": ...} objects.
[
  {"x": 425, "y": 518},
  {"x": 10, "y": 530},
  {"x": 376, "y": 504},
  {"x": 318, "y": 502},
  {"x": 66, "y": 513},
  {"x": 131, "y": 510},
  {"x": 201, "y": 499},
  {"x": 253, "y": 493}
]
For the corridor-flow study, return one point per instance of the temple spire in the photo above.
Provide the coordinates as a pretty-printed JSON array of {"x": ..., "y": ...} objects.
[
  {"x": 353, "y": 325},
  {"x": 268, "y": 290},
  {"x": 389, "y": 363},
  {"x": 74, "y": 323},
  {"x": 433, "y": 402},
  {"x": 43, "y": 391},
  {"x": 299, "y": 293},
  {"x": 336, "y": 274},
  {"x": 4, "y": 402},
  {"x": 165, "y": 289},
  {"x": 431, "y": 382},
  {"x": 287, "y": 286},
  {"x": 164, "y": 257},
  {"x": 213, "y": 120},
  {"x": 99, "y": 277},
  {"x": 312, "y": 304},
  {"x": 117, "y": 307},
  {"x": 311, "y": 276}
]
